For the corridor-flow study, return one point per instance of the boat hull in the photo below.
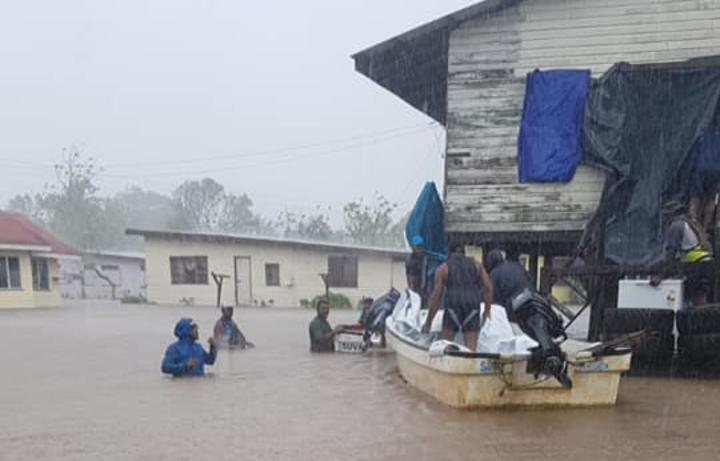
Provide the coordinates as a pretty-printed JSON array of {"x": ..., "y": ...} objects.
[{"x": 465, "y": 382}]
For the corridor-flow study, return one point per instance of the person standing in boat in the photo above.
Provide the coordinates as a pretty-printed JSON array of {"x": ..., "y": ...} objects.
[
  {"x": 515, "y": 291},
  {"x": 416, "y": 268},
  {"x": 322, "y": 335},
  {"x": 465, "y": 284}
]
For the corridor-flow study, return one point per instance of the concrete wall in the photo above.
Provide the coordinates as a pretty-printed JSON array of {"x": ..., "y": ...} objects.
[
  {"x": 299, "y": 269},
  {"x": 26, "y": 297},
  {"x": 488, "y": 61}
]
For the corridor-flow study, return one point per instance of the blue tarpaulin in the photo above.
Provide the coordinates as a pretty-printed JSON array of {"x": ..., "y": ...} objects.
[
  {"x": 427, "y": 220},
  {"x": 550, "y": 143}
]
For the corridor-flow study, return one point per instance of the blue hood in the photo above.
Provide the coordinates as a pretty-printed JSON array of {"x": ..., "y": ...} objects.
[{"x": 182, "y": 329}]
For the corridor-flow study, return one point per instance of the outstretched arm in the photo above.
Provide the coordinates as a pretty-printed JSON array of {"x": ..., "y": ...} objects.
[{"x": 209, "y": 357}]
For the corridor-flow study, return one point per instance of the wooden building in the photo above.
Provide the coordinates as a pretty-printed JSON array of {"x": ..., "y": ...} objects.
[{"x": 468, "y": 70}]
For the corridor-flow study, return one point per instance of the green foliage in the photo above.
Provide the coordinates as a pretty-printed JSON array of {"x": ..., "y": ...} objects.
[
  {"x": 310, "y": 227},
  {"x": 337, "y": 301},
  {"x": 372, "y": 224},
  {"x": 71, "y": 209},
  {"x": 133, "y": 300}
]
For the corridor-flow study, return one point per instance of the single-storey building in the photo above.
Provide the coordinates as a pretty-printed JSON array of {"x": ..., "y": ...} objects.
[
  {"x": 263, "y": 270},
  {"x": 104, "y": 275},
  {"x": 29, "y": 268}
]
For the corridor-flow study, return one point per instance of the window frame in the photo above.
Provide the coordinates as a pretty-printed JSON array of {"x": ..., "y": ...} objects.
[
  {"x": 276, "y": 267},
  {"x": 198, "y": 278},
  {"x": 349, "y": 274},
  {"x": 5, "y": 261},
  {"x": 37, "y": 277}
]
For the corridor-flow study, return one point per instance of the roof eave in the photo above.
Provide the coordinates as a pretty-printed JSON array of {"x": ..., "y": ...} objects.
[{"x": 413, "y": 65}]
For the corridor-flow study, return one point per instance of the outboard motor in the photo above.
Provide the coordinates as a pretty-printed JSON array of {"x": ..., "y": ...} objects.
[
  {"x": 537, "y": 320},
  {"x": 380, "y": 310}
]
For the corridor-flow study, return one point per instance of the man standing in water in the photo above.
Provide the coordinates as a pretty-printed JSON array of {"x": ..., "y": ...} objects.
[
  {"x": 226, "y": 333},
  {"x": 186, "y": 357},
  {"x": 465, "y": 283},
  {"x": 322, "y": 335}
]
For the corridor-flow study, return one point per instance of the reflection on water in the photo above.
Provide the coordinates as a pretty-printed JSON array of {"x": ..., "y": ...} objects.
[{"x": 84, "y": 383}]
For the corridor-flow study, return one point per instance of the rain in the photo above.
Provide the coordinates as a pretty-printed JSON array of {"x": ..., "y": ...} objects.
[{"x": 418, "y": 230}]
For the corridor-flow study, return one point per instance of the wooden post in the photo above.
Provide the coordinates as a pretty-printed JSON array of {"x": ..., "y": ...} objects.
[
  {"x": 326, "y": 282},
  {"x": 716, "y": 266},
  {"x": 219, "y": 279},
  {"x": 534, "y": 255}
]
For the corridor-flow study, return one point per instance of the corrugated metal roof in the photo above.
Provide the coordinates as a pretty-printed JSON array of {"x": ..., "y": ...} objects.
[
  {"x": 116, "y": 254},
  {"x": 239, "y": 238},
  {"x": 16, "y": 229}
]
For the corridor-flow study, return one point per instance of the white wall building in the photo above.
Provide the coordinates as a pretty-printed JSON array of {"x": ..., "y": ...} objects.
[
  {"x": 103, "y": 275},
  {"x": 261, "y": 270}
]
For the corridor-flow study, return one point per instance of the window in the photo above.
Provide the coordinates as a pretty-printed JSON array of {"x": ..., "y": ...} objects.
[
  {"x": 41, "y": 279},
  {"x": 189, "y": 270},
  {"x": 272, "y": 275},
  {"x": 343, "y": 271},
  {"x": 9, "y": 272}
]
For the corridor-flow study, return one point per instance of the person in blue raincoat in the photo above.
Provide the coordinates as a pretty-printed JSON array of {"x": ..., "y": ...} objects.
[{"x": 186, "y": 357}]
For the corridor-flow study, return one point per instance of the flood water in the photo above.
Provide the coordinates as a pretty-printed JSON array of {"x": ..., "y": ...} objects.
[{"x": 84, "y": 383}]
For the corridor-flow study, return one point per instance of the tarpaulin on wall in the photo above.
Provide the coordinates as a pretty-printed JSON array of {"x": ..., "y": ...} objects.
[
  {"x": 706, "y": 170},
  {"x": 550, "y": 142},
  {"x": 642, "y": 124}
]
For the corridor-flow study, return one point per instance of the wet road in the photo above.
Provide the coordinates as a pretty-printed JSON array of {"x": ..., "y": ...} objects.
[{"x": 83, "y": 383}]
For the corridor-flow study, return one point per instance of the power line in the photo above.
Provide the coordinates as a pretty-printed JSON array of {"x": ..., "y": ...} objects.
[
  {"x": 287, "y": 159},
  {"x": 409, "y": 129}
]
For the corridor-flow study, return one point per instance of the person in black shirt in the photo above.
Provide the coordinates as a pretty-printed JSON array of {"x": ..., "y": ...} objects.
[
  {"x": 516, "y": 292},
  {"x": 416, "y": 267},
  {"x": 465, "y": 285}
]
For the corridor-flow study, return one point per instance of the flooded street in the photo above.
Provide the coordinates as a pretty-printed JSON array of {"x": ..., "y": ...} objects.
[{"x": 84, "y": 383}]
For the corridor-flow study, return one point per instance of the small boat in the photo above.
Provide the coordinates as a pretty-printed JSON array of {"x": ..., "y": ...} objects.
[
  {"x": 351, "y": 341},
  {"x": 465, "y": 379}
]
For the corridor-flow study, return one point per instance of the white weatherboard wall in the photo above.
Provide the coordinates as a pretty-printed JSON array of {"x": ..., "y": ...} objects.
[
  {"x": 300, "y": 267},
  {"x": 488, "y": 61}
]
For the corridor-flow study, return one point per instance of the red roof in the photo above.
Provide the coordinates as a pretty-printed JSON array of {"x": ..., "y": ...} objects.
[{"x": 16, "y": 229}]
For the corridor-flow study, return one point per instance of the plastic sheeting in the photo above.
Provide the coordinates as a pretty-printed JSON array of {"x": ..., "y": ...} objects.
[
  {"x": 427, "y": 220},
  {"x": 550, "y": 142},
  {"x": 641, "y": 125},
  {"x": 706, "y": 171}
]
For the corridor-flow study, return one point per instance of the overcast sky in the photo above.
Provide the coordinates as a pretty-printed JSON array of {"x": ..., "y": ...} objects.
[{"x": 163, "y": 91}]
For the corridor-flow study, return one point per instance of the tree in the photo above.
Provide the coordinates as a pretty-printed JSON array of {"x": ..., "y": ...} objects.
[
  {"x": 372, "y": 224},
  {"x": 236, "y": 215},
  {"x": 146, "y": 209},
  {"x": 29, "y": 206},
  {"x": 311, "y": 227},
  {"x": 199, "y": 204}
]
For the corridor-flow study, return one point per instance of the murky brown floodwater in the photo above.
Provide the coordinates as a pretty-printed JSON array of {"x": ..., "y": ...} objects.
[{"x": 84, "y": 383}]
